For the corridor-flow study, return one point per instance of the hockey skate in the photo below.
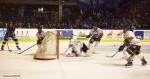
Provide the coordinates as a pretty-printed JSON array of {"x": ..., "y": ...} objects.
[
  {"x": 129, "y": 64},
  {"x": 18, "y": 48},
  {"x": 144, "y": 62}
]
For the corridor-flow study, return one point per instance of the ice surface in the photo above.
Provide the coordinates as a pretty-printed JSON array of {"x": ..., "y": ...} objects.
[{"x": 96, "y": 66}]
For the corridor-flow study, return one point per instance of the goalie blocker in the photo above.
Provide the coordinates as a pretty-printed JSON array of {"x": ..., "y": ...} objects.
[
  {"x": 49, "y": 48},
  {"x": 77, "y": 48}
]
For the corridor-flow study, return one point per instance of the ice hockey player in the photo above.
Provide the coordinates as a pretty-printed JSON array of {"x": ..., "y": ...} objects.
[
  {"x": 133, "y": 47},
  {"x": 95, "y": 36},
  {"x": 77, "y": 48},
  {"x": 10, "y": 33},
  {"x": 40, "y": 35}
]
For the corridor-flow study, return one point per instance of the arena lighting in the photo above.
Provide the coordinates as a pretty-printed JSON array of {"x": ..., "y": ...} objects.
[{"x": 41, "y": 9}]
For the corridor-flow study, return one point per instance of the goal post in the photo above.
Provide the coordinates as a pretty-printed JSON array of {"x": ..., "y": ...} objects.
[{"x": 49, "y": 48}]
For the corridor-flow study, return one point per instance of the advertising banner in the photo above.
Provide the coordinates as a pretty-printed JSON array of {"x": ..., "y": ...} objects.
[
  {"x": 66, "y": 34},
  {"x": 147, "y": 34},
  {"x": 76, "y": 33},
  {"x": 139, "y": 34}
]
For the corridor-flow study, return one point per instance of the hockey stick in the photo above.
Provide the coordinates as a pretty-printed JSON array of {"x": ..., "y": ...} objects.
[
  {"x": 27, "y": 49},
  {"x": 8, "y": 48},
  {"x": 66, "y": 51},
  {"x": 113, "y": 54}
]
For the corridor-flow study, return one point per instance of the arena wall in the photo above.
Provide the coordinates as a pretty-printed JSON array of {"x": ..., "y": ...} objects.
[{"x": 109, "y": 35}]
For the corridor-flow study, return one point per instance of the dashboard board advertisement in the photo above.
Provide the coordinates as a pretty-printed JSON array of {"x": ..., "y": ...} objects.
[{"x": 79, "y": 33}]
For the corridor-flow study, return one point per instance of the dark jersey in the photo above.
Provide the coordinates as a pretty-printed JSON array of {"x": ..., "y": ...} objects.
[{"x": 10, "y": 31}]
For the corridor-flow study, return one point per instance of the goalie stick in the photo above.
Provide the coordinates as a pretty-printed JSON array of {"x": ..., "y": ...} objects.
[
  {"x": 66, "y": 51},
  {"x": 27, "y": 49}
]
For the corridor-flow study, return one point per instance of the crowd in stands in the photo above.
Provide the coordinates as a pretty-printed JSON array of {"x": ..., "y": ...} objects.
[
  {"x": 85, "y": 22},
  {"x": 75, "y": 18},
  {"x": 113, "y": 24}
]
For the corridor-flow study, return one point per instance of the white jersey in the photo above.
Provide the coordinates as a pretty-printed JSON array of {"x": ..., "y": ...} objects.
[
  {"x": 40, "y": 35},
  {"x": 130, "y": 34},
  {"x": 96, "y": 33},
  {"x": 76, "y": 46}
]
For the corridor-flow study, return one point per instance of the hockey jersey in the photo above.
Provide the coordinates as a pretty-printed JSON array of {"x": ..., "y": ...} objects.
[
  {"x": 96, "y": 33},
  {"x": 131, "y": 38},
  {"x": 40, "y": 35},
  {"x": 10, "y": 31}
]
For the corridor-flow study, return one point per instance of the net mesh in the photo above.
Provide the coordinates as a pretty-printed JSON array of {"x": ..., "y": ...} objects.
[{"x": 49, "y": 46}]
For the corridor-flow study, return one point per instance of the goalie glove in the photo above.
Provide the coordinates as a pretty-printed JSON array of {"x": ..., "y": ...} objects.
[{"x": 121, "y": 48}]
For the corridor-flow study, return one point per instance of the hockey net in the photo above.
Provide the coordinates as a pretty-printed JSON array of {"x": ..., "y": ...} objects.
[{"x": 49, "y": 48}]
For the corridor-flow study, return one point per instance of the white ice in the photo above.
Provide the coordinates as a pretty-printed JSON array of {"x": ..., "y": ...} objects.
[{"x": 96, "y": 66}]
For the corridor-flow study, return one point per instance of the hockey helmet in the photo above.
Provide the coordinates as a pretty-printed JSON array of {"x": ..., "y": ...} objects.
[{"x": 40, "y": 27}]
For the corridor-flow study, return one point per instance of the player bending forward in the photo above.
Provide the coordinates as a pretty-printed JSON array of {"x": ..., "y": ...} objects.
[
  {"x": 133, "y": 47},
  {"x": 77, "y": 48},
  {"x": 96, "y": 34},
  {"x": 40, "y": 35},
  {"x": 10, "y": 33}
]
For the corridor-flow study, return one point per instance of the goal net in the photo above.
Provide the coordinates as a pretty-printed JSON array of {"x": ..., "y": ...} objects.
[{"x": 49, "y": 48}]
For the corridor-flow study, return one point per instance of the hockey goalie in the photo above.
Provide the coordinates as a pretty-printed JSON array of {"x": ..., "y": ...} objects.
[
  {"x": 49, "y": 48},
  {"x": 77, "y": 48}
]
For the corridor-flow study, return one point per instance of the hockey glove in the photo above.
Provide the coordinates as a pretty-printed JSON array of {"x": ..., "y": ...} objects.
[
  {"x": 121, "y": 48},
  {"x": 88, "y": 36}
]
